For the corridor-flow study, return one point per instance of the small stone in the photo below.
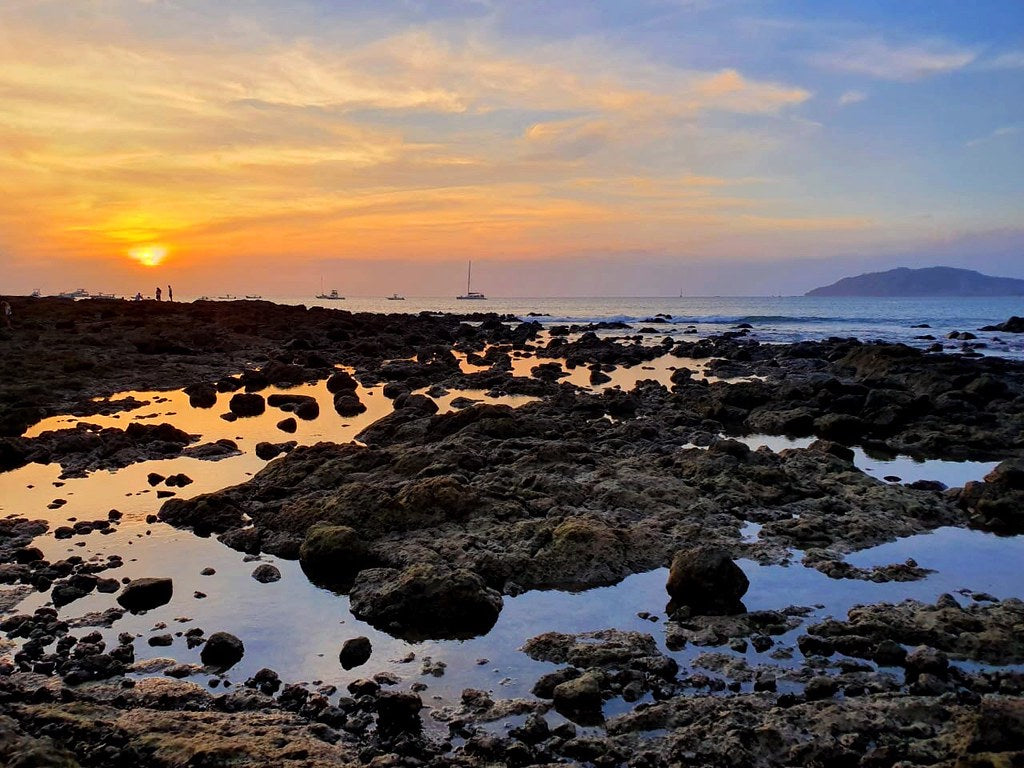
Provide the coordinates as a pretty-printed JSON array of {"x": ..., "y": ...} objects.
[{"x": 266, "y": 573}]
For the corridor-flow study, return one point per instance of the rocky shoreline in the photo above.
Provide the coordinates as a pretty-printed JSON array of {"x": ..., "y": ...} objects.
[{"x": 433, "y": 519}]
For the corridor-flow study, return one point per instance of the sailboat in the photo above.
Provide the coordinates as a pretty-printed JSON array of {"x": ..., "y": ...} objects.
[
  {"x": 470, "y": 294},
  {"x": 395, "y": 297},
  {"x": 332, "y": 296}
]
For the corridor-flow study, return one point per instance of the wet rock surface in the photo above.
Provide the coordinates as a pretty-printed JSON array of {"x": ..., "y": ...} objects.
[{"x": 434, "y": 517}]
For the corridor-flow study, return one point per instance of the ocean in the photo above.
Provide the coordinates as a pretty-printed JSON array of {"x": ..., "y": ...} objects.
[{"x": 777, "y": 319}]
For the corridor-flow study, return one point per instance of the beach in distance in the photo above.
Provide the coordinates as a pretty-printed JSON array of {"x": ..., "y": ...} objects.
[{"x": 565, "y": 529}]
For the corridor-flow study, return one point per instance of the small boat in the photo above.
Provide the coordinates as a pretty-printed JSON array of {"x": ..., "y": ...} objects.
[
  {"x": 395, "y": 297},
  {"x": 253, "y": 297},
  {"x": 332, "y": 296},
  {"x": 227, "y": 296},
  {"x": 78, "y": 293},
  {"x": 471, "y": 295},
  {"x": 101, "y": 295},
  {"x": 36, "y": 294}
]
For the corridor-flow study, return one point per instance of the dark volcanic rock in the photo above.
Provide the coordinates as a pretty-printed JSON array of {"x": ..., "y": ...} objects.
[
  {"x": 580, "y": 699},
  {"x": 1013, "y": 325},
  {"x": 398, "y": 711},
  {"x": 222, "y": 650},
  {"x": 355, "y": 652},
  {"x": 348, "y": 404},
  {"x": 997, "y": 503},
  {"x": 425, "y": 600},
  {"x": 333, "y": 554},
  {"x": 201, "y": 395},
  {"x": 265, "y": 573},
  {"x": 144, "y": 594},
  {"x": 707, "y": 581},
  {"x": 247, "y": 404},
  {"x": 341, "y": 381},
  {"x": 208, "y": 513}
]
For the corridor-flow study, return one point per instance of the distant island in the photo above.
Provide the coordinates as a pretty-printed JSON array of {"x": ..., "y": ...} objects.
[{"x": 931, "y": 281}]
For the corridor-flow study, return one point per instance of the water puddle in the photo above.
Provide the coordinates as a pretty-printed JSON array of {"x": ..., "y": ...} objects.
[
  {"x": 297, "y": 629},
  {"x": 905, "y": 469}
]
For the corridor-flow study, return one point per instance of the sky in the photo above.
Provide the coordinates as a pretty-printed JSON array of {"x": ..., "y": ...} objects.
[{"x": 577, "y": 147}]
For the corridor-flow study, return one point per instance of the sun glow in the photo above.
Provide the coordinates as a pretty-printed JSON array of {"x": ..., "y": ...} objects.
[{"x": 149, "y": 255}]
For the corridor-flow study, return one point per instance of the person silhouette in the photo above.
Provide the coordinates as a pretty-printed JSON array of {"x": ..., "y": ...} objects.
[
  {"x": 158, "y": 293},
  {"x": 170, "y": 293}
]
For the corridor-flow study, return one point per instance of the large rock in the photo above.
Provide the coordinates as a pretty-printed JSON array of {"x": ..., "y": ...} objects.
[
  {"x": 707, "y": 581},
  {"x": 425, "y": 600},
  {"x": 222, "y": 650},
  {"x": 997, "y": 503},
  {"x": 332, "y": 554},
  {"x": 201, "y": 395},
  {"x": 398, "y": 711},
  {"x": 144, "y": 594},
  {"x": 348, "y": 404},
  {"x": 341, "y": 381},
  {"x": 247, "y": 404},
  {"x": 580, "y": 699},
  {"x": 209, "y": 513},
  {"x": 1013, "y": 325},
  {"x": 355, "y": 652}
]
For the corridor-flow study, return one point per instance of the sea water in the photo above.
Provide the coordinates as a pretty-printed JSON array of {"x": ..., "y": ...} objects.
[{"x": 775, "y": 319}]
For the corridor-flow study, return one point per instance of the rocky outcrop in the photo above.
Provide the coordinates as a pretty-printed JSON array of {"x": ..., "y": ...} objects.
[
  {"x": 997, "y": 502},
  {"x": 145, "y": 594},
  {"x": 706, "y": 581},
  {"x": 222, "y": 650},
  {"x": 425, "y": 600}
]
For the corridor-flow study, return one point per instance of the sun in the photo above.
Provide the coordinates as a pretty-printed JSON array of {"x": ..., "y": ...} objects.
[{"x": 149, "y": 255}]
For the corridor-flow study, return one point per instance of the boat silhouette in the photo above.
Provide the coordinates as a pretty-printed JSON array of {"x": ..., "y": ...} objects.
[{"x": 471, "y": 295}]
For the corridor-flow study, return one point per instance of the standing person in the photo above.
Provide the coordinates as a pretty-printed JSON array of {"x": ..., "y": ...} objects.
[
  {"x": 158, "y": 293},
  {"x": 5, "y": 309},
  {"x": 170, "y": 293}
]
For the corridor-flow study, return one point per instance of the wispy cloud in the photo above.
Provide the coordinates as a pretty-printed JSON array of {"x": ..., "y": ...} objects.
[
  {"x": 1008, "y": 60},
  {"x": 883, "y": 60},
  {"x": 851, "y": 97},
  {"x": 1002, "y": 131}
]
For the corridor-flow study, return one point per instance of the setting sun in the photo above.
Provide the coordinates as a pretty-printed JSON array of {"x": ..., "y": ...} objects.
[{"x": 149, "y": 255}]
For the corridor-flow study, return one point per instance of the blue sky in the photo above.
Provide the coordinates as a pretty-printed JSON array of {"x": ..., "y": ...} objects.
[{"x": 737, "y": 142}]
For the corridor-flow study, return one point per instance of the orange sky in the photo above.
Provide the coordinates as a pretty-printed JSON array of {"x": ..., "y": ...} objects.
[{"x": 179, "y": 140}]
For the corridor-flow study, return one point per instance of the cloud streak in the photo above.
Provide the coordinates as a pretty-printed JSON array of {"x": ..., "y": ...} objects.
[{"x": 882, "y": 60}]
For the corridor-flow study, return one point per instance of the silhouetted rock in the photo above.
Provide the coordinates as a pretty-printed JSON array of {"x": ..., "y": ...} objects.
[
  {"x": 222, "y": 650},
  {"x": 144, "y": 594},
  {"x": 707, "y": 581}
]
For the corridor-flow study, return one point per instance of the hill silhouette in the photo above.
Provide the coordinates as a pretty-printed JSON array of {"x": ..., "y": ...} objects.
[{"x": 930, "y": 281}]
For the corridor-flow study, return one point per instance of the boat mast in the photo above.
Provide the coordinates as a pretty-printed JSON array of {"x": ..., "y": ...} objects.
[{"x": 469, "y": 276}]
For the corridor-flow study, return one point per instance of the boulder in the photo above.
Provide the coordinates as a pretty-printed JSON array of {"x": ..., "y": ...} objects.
[
  {"x": 145, "y": 594},
  {"x": 707, "y": 581},
  {"x": 247, "y": 404},
  {"x": 425, "y": 600},
  {"x": 398, "y": 711},
  {"x": 201, "y": 395},
  {"x": 579, "y": 699},
  {"x": 208, "y": 513},
  {"x": 288, "y": 425},
  {"x": 222, "y": 650},
  {"x": 307, "y": 410},
  {"x": 355, "y": 652},
  {"x": 347, "y": 404},
  {"x": 341, "y": 381},
  {"x": 266, "y": 573},
  {"x": 332, "y": 554}
]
